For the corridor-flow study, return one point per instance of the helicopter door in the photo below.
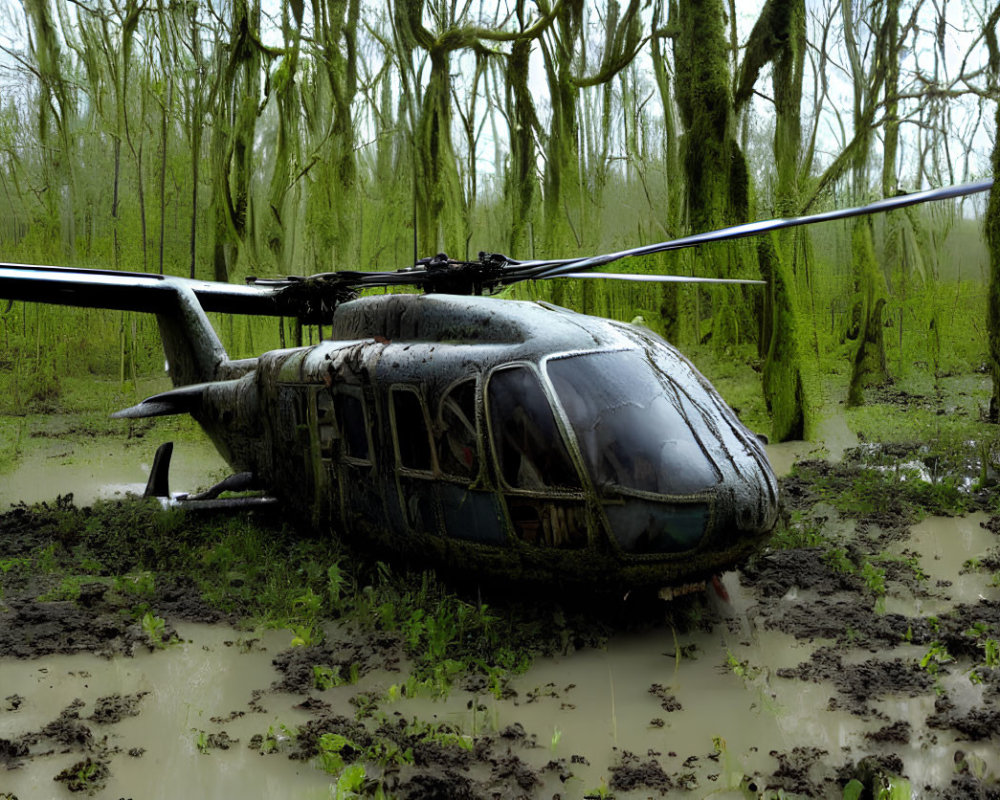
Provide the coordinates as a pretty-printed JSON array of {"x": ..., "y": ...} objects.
[
  {"x": 542, "y": 488},
  {"x": 470, "y": 510},
  {"x": 414, "y": 461},
  {"x": 322, "y": 442},
  {"x": 360, "y": 498}
]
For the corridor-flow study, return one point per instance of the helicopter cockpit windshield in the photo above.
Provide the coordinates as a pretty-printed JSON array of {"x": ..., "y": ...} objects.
[{"x": 632, "y": 425}]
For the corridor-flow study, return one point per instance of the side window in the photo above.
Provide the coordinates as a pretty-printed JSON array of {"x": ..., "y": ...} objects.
[
  {"x": 325, "y": 422},
  {"x": 410, "y": 428},
  {"x": 457, "y": 442},
  {"x": 527, "y": 441},
  {"x": 351, "y": 420}
]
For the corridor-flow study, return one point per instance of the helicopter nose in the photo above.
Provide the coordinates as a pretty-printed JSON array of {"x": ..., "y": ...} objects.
[{"x": 747, "y": 507}]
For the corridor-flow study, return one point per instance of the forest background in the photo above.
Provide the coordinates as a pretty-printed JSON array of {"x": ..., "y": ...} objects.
[{"x": 224, "y": 138}]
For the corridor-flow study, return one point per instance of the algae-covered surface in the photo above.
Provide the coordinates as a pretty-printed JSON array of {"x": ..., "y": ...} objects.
[{"x": 144, "y": 653}]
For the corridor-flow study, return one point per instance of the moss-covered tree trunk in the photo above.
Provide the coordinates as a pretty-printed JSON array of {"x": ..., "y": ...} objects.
[
  {"x": 279, "y": 229},
  {"x": 992, "y": 225},
  {"x": 520, "y": 185},
  {"x": 869, "y": 366},
  {"x": 562, "y": 142},
  {"x": 992, "y": 221},
  {"x": 868, "y": 281},
  {"x": 715, "y": 170},
  {"x": 236, "y": 102},
  {"x": 671, "y": 296},
  {"x": 784, "y": 388},
  {"x": 56, "y": 108},
  {"x": 780, "y": 36}
]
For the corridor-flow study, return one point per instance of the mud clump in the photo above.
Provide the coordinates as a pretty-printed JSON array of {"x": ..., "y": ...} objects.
[
  {"x": 859, "y": 683},
  {"x": 220, "y": 741},
  {"x": 774, "y": 573},
  {"x": 447, "y": 786},
  {"x": 974, "y": 724},
  {"x": 68, "y": 730},
  {"x": 305, "y": 669},
  {"x": 89, "y": 775},
  {"x": 633, "y": 773},
  {"x": 441, "y": 761},
  {"x": 794, "y": 772},
  {"x": 114, "y": 708},
  {"x": 30, "y": 629},
  {"x": 12, "y": 751},
  {"x": 668, "y": 702},
  {"x": 896, "y": 733}
]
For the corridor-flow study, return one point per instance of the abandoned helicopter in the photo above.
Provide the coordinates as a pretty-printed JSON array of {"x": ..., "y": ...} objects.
[{"x": 505, "y": 438}]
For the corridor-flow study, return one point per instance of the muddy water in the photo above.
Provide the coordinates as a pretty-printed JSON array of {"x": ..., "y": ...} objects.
[
  {"x": 104, "y": 467},
  {"x": 707, "y": 706},
  {"x": 185, "y": 687},
  {"x": 727, "y": 712}
]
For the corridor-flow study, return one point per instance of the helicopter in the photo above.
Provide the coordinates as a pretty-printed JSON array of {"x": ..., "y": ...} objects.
[{"x": 501, "y": 438}]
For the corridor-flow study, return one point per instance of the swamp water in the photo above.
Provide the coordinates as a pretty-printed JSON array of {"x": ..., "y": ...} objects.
[{"x": 707, "y": 706}]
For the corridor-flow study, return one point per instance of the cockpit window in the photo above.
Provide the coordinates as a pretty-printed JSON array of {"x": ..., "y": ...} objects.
[
  {"x": 633, "y": 427},
  {"x": 457, "y": 441},
  {"x": 527, "y": 441}
]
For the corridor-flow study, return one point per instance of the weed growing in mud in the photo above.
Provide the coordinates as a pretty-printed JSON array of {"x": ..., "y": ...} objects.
[
  {"x": 153, "y": 626},
  {"x": 801, "y": 530},
  {"x": 274, "y": 740},
  {"x": 934, "y": 659},
  {"x": 67, "y": 589},
  {"x": 741, "y": 669},
  {"x": 13, "y": 564},
  {"x": 89, "y": 775},
  {"x": 991, "y": 653},
  {"x": 327, "y": 678},
  {"x": 333, "y": 748},
  {"x": 349, "y": 783},
  {"x": 599, "y": 792},
  {"x": 861, "y": 490}
]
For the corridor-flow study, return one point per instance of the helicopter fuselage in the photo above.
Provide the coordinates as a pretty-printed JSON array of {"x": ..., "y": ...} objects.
[{"x": 512, "y": 439}]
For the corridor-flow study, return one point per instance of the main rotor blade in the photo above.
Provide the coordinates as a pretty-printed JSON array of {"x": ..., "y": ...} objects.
[
  {"x": 538, "y": 270},
  {"x": 126, "y": 291},
  {"x": 634, "y": 276}
]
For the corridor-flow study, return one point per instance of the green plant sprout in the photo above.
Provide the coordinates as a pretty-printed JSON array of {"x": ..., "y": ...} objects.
[{"x": 153, "y": 626}]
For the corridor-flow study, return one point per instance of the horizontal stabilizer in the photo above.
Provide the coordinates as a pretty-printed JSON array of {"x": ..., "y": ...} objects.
[{"x": 183, "y": 400}]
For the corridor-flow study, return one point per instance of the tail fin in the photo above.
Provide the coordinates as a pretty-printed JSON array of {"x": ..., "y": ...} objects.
[{"x": 194, "y": 352}]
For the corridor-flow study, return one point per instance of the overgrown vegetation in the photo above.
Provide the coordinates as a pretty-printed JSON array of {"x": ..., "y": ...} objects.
[{"x": 258, "y": 571}]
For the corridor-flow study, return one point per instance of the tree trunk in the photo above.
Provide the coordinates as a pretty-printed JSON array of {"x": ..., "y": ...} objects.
[
  {"x": 717, "y": 179},
  {"x": 992, "y": 225}
]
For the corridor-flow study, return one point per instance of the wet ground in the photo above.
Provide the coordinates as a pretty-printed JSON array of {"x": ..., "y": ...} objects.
[{"x": 860, "y": 650}]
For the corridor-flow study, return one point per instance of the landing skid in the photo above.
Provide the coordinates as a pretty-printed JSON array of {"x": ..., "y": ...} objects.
[{"x": 158, "y": 486}]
